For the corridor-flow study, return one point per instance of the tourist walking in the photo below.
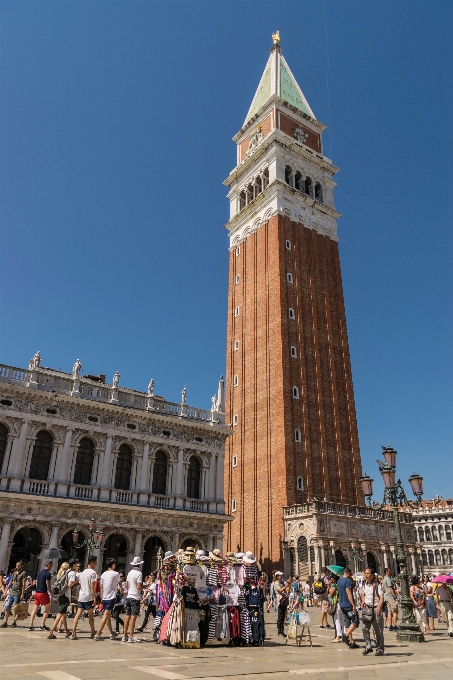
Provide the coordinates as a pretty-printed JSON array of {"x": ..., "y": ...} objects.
[
  {"x": 430, "y": 602},
  {"x": 335, "y": 611},
  {"x": 321, "y": 588},
  {"x": 42, "y": 595},
  {"x": 277, "y": 587},
  {"x": 118, "y": 609},
  {"x": 281, "y": 610},
  {"x": 15, "y": 592},
  {"x": 66, "y": 579},
  {"x": 348, "y": 608},
  {"x": 390, "y": 599},
  {"x": 150, "y": 600},
  {"x": 87, "y": 596},
  {"x": 418, "y": 598},
  {"x": 444, "y": 598},
  {"x": 372, "y": 606},
  {"x": 108, "y": 584},
  {"x": 133, "y": 586}
]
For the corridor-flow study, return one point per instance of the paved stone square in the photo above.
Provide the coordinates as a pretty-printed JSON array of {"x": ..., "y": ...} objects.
[{"x": 27, "y": 654}]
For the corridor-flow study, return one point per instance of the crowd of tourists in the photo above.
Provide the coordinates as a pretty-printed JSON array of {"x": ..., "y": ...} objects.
[{"x": 194, "y": 597}]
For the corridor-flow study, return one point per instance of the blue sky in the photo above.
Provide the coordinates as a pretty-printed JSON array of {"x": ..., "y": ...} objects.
[{"x": 116, "y": 126}]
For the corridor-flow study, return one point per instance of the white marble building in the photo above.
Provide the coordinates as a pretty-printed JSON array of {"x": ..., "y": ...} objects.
[
  {"x": 433, "y": 527},
  {"x": 72, "y": 448},
  {"x": 319, "y": 533}
]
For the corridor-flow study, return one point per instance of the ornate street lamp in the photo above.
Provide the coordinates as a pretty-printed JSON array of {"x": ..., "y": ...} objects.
[
  {"x": 395, "y": 496},
  {"x": 94, "y": 540}
]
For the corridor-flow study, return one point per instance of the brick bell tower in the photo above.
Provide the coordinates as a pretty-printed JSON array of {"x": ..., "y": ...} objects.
[{"x": 289, "y": 394}]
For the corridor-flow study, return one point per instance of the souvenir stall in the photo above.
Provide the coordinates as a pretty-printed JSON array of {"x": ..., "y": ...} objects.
[{"x": 202, "y": 599}]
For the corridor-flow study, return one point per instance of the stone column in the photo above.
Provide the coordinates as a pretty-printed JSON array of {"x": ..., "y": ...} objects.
[
  {"x": 317, "y": 559},
  {"x": 220, "y": 483},
  {"x": 144, "y": 477},
  {"x": 323, "y": 555},
  {"x": 286, "y": 559},
  {"x": 175, "y": 540},
  {"x": 212, "y": 485},
  {"x": 16, "y": 459},
  {"x": 61, "y": 469},
  {"x": 413, "y": 563},
  {"x": 138, "y": 544},
  {"x": 106, "y": 470},
  {"x": 179, "y": 475},
  {"x": 4, "y": 540},
  {"x": 209, "y": 544},
  {"x": 12, "y": 437}
]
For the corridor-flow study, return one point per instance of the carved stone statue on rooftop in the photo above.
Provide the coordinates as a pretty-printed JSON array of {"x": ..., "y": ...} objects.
[
  {"x": 116, "y": 379},
  {"x": 151, "y": 388},
  {"x": 183, "y": 395},
  {"x": 76, "y": 370},
  {"x": 214, "y": 404},
  {"x": 35, "y": 362}
]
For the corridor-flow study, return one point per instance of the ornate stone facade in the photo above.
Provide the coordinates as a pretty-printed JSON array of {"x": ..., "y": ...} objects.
[
  {"x": 433, "y": 533},
  {"x": 142, "y": 467},
  {"x": 317, "y": 534}
]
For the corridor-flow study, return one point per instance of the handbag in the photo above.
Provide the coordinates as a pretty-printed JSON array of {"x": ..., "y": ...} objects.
[
  {"x": 368, "y": 612},
  {"x": 20, "y": 611}
]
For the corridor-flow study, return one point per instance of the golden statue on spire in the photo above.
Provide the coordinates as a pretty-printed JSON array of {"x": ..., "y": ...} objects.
[{"x": 276, "y": 37}]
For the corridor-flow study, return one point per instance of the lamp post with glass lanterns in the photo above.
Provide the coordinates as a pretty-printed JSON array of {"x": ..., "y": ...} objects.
[
  {"x": 94, "y": 540},
  {"x": 395, "y": 496}
]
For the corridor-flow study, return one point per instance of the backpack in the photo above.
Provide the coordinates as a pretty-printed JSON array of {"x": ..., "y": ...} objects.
[
  {"x": 61, "y": 584},
  {"x": 319, "y": 588}
]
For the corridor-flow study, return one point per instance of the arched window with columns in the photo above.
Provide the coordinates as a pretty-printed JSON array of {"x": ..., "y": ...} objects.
[
  {"x": 448, "y": 532},
  {"x": 123, "y": 468},
  {"x": 421, "y": 535},
  {"x": 444, "y": 558},
  {"x": 441, "y": 532},
  {"x": 41, "y": 455},
  {"x": 3, "y": 443},
  {"x": 159, "y": 485},
  {"x": 430, "y": 558},
  {"x": 84, "y": 462},
  {"x": 424, "y": 558},
  {"x": 450, "y": 556},
  {"x": 193, "y": 478}
]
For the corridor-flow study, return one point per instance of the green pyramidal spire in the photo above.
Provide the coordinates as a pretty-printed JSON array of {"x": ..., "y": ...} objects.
[{"x": 277, "y": 79}]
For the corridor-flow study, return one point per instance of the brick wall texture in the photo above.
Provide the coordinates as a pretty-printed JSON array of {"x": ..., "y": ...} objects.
[{"x": 269, "y": 460}]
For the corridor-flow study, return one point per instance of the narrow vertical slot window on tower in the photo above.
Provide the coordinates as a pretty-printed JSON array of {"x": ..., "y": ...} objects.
[
  {"x": 238, "y": 278},
  {"x": 235, "y": 460},
  {"x": 289, "y": 278},
  {"x": 236, "y": 311},
  {"x": 300, "y": 484},
  {"x": 235, "y": 419},
  {"x": 238, "y": 251},
  {"x": 290, "y": 312},
  {"x": 235, "y": 381},
  {"x": 297, "y": 435},
  {"x": 233, "y": 505},
  {"x": 288, "y": 245},
  {"x": 236, "y": 345},
  {"x": 295, "y": 392},
  {"x": 293, "y": 351}
]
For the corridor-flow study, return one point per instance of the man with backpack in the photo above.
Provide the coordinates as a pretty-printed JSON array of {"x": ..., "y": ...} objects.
[
  {"x": 320, "y": 589},
  {"x": 16, "y": 589},
  {"x": 87, "y": 596},
  {"x": 109, "y": 586}
]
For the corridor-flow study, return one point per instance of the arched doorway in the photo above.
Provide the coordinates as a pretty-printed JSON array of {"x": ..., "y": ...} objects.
[
  {"x": 302, "y": 556},
  {"x": 84, "y": 462},
  {"x": 371, "y": 561},
  {"x": 340, "y": 559},
  {"x": 191, "y": 542},
  {"x": 67, "y": 544},
  {"x": 152, "y": 546},
  {"x": 27, "y": 544},
  {"x": 123, "y": 468},
  {"x": 116, "y": 546}
]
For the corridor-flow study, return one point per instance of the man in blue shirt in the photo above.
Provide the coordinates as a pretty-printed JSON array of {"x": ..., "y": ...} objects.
[
  {"x": 347, "y": 606},
  {"x": 42, "y": 597}
]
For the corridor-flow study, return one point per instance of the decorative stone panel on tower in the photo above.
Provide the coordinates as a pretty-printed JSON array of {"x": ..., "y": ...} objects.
[{"x": 289, "y": 385}]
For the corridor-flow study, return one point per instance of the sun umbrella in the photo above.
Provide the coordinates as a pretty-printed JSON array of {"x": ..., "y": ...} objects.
[
  {"x": 53, "y": 554},
  {"x": 336, "y": 569},
  {"x": 443, "y": 578}
]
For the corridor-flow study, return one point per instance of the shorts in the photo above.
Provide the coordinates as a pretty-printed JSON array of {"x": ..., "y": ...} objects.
[
  {"x": 12, "y": 599},
  {"x": 42, "y": 599},
  {"x": 392, "y": 606},
  {"x": 132, "y": 607},
  {"x": 63, "y": 604},
  {"x": 350, "y": 617},
  {"x": 109, "y": 604},
  {"x": 85, "y": 605}
]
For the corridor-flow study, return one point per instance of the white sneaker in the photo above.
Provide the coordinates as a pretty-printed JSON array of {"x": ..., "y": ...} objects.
[
  {"x": 97, "y": 637},
  {"x": 124, "y": 639},
  {"x": 134, "y": 639}
]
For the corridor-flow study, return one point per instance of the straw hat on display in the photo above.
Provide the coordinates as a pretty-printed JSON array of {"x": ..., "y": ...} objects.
[
  {"x": 168, "y": 556},
  {"x": 231, "y": 557},
  {"x": 216, "y": 556},
  {"x": 188, "y": 556},
  {"x": 199, "y": 555},
  {"x": 249, "y": 558},
  {"x": 239, "y": 556}
]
